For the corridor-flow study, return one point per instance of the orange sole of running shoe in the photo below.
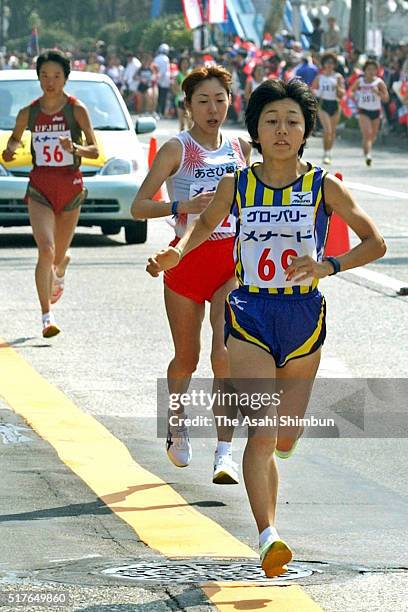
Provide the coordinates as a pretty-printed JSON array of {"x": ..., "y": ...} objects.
[
  {"x": 51, "y": 331},
  {"x": 274, "y": 563},
  {"x": 224, "y": 478}
]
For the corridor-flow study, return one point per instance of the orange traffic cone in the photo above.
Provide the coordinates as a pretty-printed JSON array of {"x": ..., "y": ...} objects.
[
  {"x": 338, "y": 240},
  {"x": 160, "y": 195}
]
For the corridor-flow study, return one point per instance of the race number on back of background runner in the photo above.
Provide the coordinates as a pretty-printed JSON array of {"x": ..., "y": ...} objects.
[{"x": 227, "y": 226}]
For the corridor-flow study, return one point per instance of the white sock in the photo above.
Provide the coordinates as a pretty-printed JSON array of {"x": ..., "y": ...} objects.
[
  {"x": 224, "y": 448},
  {"x": 269, "y": 533},
  {"x": 48, "y": 318}
]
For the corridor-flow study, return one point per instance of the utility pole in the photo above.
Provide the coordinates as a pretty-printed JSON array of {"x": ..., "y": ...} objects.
[
  {"x": 1, "y": 23},
  {"x": 296, "y": 19},
  {"x": 358, "y": 27}
]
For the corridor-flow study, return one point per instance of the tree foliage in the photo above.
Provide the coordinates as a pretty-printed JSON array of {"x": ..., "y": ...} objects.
[{"x": 79, "y": 18}]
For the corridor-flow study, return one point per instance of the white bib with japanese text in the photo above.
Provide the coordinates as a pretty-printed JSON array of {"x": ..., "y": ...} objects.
[
  {"x": 48, "y": 150},
  {"x": 228, "y": 225},
  {"x": 270, "y": 236}
]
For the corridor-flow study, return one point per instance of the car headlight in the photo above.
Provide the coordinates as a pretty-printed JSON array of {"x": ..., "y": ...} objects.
[
  {"x": 116, "y": 165},
  {"x": 4, "y": 171}
]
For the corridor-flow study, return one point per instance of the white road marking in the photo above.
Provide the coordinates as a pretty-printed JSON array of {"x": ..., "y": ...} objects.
[
  {"x": 10, "y": 434},
  {"x": 333, "y": 367},
  {"x": 391, "y": 193},
  {"x": 377, "y": 277}
]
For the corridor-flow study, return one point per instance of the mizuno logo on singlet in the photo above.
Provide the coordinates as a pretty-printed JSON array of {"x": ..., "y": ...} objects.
[
  {"x": 58, "y": 118},
  {"x": 301, "y": 197}
]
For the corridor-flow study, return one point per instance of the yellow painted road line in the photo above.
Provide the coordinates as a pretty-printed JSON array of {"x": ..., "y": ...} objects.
[
  {"x": 239, "y": 596},
  {"x": 161, "y": 517}
]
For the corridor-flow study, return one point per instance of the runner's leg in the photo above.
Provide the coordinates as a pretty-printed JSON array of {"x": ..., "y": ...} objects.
[
  {"x": 294, "y": 400},
  {"x": 248, "y": 361},
  {"x": 65, "y": 225},
  {"x": 334, "y": 119},
  {"x": 185, "y": 318},
  {"x": 225, "y": 469},
  {"x": 42, "y": 220},
  {"x": 365, "y": 127}
]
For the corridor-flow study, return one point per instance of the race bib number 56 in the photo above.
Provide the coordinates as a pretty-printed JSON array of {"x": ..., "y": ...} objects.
[{"x": 48, "y": 150}]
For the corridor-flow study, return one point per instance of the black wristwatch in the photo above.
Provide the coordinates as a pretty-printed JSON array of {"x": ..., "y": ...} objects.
[{"x": 335, "y": 263}]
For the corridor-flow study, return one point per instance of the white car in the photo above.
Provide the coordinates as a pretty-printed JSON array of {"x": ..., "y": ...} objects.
[{"x": 112, "y": 179}]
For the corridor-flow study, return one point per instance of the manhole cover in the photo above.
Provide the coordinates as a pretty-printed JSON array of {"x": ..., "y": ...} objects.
[{"x": 202, "y": 571}]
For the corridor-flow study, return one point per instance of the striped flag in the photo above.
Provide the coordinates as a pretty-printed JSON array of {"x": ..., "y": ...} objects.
[
  {"x": 217, "y": 11},
  {"x": 193, "y": 13}
]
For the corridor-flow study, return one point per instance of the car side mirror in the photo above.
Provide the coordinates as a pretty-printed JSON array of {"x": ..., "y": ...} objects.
[{"x": 145, "y": 125}]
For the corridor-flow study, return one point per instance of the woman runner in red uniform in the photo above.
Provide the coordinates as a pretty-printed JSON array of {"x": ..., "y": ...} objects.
[
  {"x": 55, "y": 190},
  {"x": 193, "y": 163}
]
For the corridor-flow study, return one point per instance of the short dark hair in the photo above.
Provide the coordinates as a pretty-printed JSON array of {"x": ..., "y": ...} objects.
[
  {"x": 53, "y": 55},
  {"x": 371, "y": 62},
  {"x": 205, "y": 73},
  {"x": 329, "y": 57},
  {"x": 271, "y": 91}
]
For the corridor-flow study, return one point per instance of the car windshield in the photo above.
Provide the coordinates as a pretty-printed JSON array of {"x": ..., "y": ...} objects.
[{"x": 99, "y": 98}]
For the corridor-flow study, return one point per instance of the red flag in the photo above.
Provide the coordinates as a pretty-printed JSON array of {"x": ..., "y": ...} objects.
[
  {"x": 193, "y": 13},
  {"x": 348, "y": 105}
]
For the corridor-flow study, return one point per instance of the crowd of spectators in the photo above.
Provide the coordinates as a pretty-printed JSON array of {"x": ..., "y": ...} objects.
[{"x": 150, "y": 83}]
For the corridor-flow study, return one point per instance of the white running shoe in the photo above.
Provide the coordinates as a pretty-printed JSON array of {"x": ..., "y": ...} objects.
[
  {"x": 178, "y": 446},
  {"x": 225, "y": 470},
  {"x": 327, "y": 160},
  {"x": 50, "y": 328}
]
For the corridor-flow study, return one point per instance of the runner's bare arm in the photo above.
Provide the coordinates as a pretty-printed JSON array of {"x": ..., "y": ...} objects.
[
  {"x": 372, "y": 246},
  {"x": 165, "y": 164},
  {"x": 246, "y": 149},
  {"x": 341, "y": 88},
  {"x": 90, "y": 149},
  {"x": 15, "y": 139},
  {"x": 200, "y": 231},
  {"x": 383, "y": 92},
  {"x": 315, "y": 86}
]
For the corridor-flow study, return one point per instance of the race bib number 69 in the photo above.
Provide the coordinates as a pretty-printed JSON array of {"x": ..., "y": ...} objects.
[{"x": 270, "y": 237}]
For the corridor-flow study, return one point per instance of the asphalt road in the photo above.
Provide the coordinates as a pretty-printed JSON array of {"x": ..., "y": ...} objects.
[{"x": 69, "y": 504}]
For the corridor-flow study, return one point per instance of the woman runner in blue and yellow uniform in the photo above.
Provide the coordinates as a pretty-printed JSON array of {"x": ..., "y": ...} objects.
[{"x": 275, "y": 320}]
